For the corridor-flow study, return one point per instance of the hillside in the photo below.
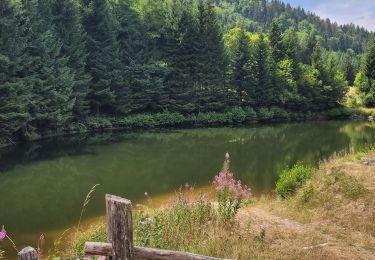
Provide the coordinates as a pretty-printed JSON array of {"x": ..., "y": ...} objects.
[
  {"x": 257, "y": 16},
  {"x": 72, "y": 66}
]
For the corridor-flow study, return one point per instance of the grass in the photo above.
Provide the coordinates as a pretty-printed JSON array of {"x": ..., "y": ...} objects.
[{"x": 331, "y": 216}]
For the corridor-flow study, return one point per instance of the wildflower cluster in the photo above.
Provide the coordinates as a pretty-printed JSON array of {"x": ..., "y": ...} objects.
[{"x": 231, "y": 193}]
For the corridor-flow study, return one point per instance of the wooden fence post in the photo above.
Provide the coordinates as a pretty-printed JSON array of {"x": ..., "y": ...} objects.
[
  {"x": 28, "y": 253},
  {"x": 120, "y": 227}
]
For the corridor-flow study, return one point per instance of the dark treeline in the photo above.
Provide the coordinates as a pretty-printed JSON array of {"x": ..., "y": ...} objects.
[{"x": 63, "y": 61}]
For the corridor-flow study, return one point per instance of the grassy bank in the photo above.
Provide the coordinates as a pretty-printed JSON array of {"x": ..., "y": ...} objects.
[{"x": 328, "y": 213}]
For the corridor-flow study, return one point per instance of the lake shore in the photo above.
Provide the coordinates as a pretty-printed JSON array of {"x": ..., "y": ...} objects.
[
  {"x": 331, "y": 217},
  {"x": 169, "y": 120}
]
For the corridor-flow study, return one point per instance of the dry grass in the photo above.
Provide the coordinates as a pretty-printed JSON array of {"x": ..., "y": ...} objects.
[{"x": 331, "y": 217}]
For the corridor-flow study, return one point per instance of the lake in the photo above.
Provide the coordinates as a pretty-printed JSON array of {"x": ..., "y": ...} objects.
[{"x": 43, "y": 184}]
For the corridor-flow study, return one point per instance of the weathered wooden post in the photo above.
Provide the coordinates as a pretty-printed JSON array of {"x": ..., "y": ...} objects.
[
  {"x": 120, "y": 227},
  {"x": 28, "y": 253}
]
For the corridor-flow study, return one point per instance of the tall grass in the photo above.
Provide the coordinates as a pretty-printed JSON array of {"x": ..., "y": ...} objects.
[{"x": 85, "y": 203}]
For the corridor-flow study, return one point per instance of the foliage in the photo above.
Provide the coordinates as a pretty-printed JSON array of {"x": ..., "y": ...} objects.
[
  {"x": 65, "y": 64},
  {"x": 292, "y": 179}
]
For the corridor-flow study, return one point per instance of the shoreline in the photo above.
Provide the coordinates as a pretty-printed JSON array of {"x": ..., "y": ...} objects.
[{"x": 86, "y": 128}]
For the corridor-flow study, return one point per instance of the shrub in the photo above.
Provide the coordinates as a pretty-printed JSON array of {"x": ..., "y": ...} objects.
[
  {"x": 292, "y": 179},
  {"x": 231, "y": 194},
  {"x": 265, "y": 114},
  {"x": 345, "y": 184},
  {"x": 169, "y": 119},
  {"x": 250, "y": 113},
  {"x": 98, "y": 123},
  {"x": 369, "y": 100},
  {"x": 279, "y": 113},
  {"x": 137, "y": 121},
  {"x": 238, "y": 115},
  {"x": 306, "y": 194},
  {"x": 339, "y": 112}
]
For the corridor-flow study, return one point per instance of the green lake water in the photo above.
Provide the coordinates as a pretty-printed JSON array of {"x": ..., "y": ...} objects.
[{"x": 43, "y": 184}]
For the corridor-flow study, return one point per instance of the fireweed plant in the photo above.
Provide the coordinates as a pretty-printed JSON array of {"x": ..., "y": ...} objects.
[{"x": 231, "y": 193}]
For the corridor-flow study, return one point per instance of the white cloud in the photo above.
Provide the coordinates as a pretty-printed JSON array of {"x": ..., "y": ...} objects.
[{"x": 359, "y": 12}]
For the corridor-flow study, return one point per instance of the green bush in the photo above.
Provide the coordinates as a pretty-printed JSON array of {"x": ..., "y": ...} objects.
[
  {"x": 279, "y": 113},
  {"x": 265, "y": 114},
  {"x": 251, "y": 115},
  {"x": 339, "y": 112},
  {"x": 169, "y": 119},
  {"x": 238, "y": 115},
  {"x": 98, "y": 123},
  {"x": 369, "y": 100},
  {"x": 292, "y": 179}
]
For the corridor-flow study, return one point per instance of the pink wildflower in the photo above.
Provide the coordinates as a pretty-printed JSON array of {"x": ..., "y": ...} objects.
[
  {"x": 227, "y": 156},
  {"x": 226, "y": 181},
  {"x": 3, "y": 233}
]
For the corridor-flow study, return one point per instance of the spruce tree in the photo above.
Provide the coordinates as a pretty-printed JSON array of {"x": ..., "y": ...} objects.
[
  {"x": 69, "y": 30},
  {"x": 370, "y": 61},
  {"x": 276, "y": 42},
  {"x": 14, "y": 94},
  {"x": 261, "y": 74},
  {"x": 240, "y": 69},
  {"x": 103, "y": 62},
  {"x": 47, "y": 69},
  {"x": 182, "y": 58},
  {"x": 210, "y": 61}
]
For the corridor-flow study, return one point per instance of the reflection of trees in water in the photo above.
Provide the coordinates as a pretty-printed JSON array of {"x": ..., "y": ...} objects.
[{"x": 360, "y": 134}]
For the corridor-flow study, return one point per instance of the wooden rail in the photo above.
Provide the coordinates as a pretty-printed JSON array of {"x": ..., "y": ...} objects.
[{"x": 120, "y": 239}]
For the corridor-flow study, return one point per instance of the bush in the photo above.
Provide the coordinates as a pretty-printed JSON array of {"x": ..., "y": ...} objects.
[
  {"x": 292, "y": 179},
  {"x": 137, "y": 121},
  {"x": 251, "y": 115},
  {"x": 98, "y": 123},
  {"x": 339, "y": 112},
  {"x": 265, "y": 114},
  {"x": 169, "y": 119},
  {"x": 345, "y": 184},
  {"x": 369, "y": 100},
  {"x": 279, "y": 113},
  {"x": 238, "y": 115}
]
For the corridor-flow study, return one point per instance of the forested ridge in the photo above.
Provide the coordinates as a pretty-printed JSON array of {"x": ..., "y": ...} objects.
[{"x": 66, "y": 64}]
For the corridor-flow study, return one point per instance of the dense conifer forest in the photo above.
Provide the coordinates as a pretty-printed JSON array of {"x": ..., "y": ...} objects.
[{"x": 69, "y": 64}]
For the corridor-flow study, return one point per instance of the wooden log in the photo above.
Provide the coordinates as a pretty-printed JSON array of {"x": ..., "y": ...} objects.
[
  {"x": 120, "y": 227},
  {"x": 28, "y": 253},
  {"x": 143, "y": 253},
  {"x": 98, "y": 249}
]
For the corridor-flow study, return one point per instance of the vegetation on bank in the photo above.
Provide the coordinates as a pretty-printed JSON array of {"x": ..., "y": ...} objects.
[
  {"x": 73, "y": 63},
  {"x": 329, "y": 215}
]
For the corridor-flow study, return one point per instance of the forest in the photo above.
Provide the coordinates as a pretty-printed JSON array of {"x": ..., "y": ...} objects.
[{"x": 67, "y": 63}]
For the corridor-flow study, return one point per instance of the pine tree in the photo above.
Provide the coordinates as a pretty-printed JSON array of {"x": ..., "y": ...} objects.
[
  {"x": 48, "y": 72},
  {"x": 210, "y": 63},
  {"x": 276, "y": 42},
  {"x": 103, "y": 62},
  {"x": 182, "y": 59},
  {"x": 14, "y": 95},
  {"x": 261, "y": 76},
  {"x": 144, "y": 88},
  {"x": 240, "y": 69},
  {"x": 69, "y": 30},
  {"x": 370, "y": 61}
]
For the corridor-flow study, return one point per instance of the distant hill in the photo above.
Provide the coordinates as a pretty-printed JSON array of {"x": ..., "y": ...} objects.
[{"x": 257, "y": 16}]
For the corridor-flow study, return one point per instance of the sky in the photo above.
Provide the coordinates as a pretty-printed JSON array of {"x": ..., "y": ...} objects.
[{"x": 359, "y": 12}]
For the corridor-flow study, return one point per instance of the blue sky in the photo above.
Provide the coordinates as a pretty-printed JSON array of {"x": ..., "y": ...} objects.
[{"x": 360, "y": 12}]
